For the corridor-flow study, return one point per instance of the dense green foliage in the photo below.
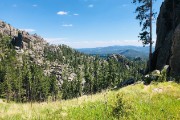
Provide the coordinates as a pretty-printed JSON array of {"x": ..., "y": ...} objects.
[
  {"x": 93, "y": 74},
  {"x": 25, "y": 81},
  {"x": 22, "y": 82}
]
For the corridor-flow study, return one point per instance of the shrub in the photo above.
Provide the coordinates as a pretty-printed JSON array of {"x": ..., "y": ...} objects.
[
  {"x": 120, "y": 109},
  {"x": 163, "y": 76}
]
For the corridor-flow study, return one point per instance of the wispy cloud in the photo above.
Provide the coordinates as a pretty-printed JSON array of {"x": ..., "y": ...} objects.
[
  {"x": 57, "y": 41},
  {"x": 34, "y": 5},
  {"x": 75, "y": 14},
  {"x": 14, "y": 5},
  {"x": 62, "y": 13},
  {"x": 28, "y": 30},
  {"x": 88, "y": 0},
  {"x": 125, "y": 5},
  {"x": 101, "y": 43},
  {"x": 92, "y": 44},
  {"x": 67, "y": 25},
  {"x": 90, "y": 5}
]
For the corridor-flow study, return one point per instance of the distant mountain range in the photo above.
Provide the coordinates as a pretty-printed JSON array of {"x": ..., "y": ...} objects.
[{"x": 127, "y": 51}]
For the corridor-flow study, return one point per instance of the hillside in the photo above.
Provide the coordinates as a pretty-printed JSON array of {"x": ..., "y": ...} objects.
[
  {"x": 127, "y": 51},
  {"x": 33, "y": 70},
  {"x": 158, "y": 101},
  {"x": 52, "y": 81}
]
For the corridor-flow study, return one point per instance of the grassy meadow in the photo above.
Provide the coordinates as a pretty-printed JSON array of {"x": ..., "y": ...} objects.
[{"x": 158, "y": 101}]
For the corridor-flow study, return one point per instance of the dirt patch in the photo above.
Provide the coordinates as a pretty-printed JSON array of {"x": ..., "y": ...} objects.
[
  {"x": 1, "y": 101},
  {"x": 158, "y": 90}
]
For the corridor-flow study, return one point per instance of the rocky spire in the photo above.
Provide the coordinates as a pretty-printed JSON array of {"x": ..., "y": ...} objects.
[{"x": 167, "y": 50}]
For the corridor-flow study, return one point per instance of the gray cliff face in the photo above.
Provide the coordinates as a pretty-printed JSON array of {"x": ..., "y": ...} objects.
[
  {"x": 175, "y": 58},
  {"x": 166, "y": 50}
]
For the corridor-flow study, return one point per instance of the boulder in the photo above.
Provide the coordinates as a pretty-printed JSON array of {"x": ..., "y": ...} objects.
[
  {"x": 166, "y": 69},
  {"x": 152, "y": 76},
  {"x": 156, "y": 73},
  {"x": 126, "y": 82}
]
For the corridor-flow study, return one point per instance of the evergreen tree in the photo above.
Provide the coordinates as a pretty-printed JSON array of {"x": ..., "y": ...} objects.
[
  {"x": 95, "y": 73},
  {"x": 79, "y": 83},
  {"x": 145, "y": 16},
  {"x": 53, "y": 87}
]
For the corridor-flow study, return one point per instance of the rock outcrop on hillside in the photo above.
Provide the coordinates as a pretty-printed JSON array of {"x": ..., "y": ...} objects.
[
  {"x": 168, "y": 37},
  {"x": 32, "y": 46}
]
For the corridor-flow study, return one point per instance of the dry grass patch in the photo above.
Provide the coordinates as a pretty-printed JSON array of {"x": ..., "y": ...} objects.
[{"x": 134, "y": 102}]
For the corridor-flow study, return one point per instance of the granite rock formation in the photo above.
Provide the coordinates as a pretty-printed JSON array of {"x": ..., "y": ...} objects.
[
  {"x": 175, "y": 58},
  {"x": 33, "y": 46},
  {"x": 168, "y": 37}
]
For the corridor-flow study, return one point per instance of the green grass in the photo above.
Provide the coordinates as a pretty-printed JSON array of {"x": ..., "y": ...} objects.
[{"x": 158, "y": 101}]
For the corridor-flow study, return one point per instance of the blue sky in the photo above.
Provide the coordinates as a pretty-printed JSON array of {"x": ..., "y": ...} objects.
[{"x": 77, "y": 23}]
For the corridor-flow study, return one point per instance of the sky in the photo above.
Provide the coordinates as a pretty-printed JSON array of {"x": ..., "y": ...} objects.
[{"x": 77, "y": 23}]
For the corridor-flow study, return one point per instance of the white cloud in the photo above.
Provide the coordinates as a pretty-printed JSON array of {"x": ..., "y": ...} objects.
[
  {"x": 62, "y": 13},
  {"x": 91, "y": 6},
  {"x": 28, "y": 30},
  {"x": 34, "y": 5},
  {"x": 67, "y": 25},
  {"x": 75, "y": 14}
]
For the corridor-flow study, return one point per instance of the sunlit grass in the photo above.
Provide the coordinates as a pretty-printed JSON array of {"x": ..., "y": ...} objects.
[{"x": 157, "y": 101}]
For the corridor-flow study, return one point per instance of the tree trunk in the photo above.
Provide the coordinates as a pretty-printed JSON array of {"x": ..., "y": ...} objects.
[{"x": 150, "y": 47}]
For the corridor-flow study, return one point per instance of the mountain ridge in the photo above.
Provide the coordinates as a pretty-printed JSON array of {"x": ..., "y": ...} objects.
[{"x": 128, "y": 51}]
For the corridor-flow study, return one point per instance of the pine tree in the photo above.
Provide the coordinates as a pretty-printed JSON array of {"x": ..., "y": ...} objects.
[
  {"x": 53, "y": 87},
  {"x": 145, "y": 16},
  {"x": 79, "y": 82},
  {"x": 7, "y": 84},
  {"x": 95, "y": 73},
  {"x": 112, "y": 72}
]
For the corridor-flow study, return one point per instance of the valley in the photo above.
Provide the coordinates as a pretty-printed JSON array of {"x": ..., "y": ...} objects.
[{"x": 61, "y": 73}]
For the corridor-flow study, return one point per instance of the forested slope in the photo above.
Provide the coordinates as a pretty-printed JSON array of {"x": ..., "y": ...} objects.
[{"x": 33, "y": 70}]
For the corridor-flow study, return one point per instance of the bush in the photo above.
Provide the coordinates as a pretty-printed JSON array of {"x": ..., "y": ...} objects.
[
  {"x": 163, "y": 76},
  {"x": 120, "y": 109}
]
